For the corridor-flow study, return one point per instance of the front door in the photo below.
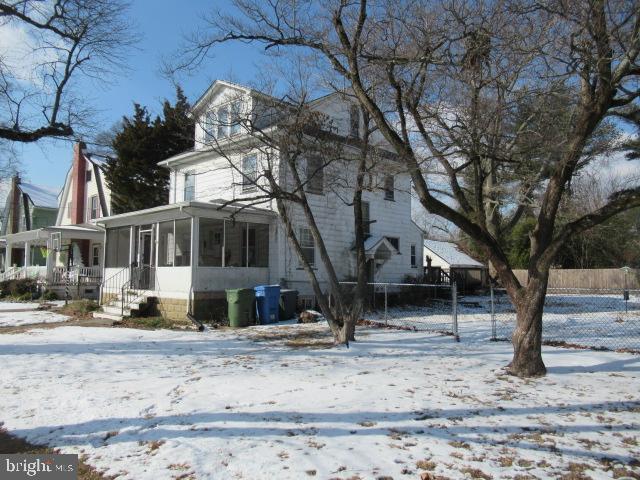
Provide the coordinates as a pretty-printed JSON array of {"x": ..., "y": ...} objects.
[{"x": 143, "y": 273}]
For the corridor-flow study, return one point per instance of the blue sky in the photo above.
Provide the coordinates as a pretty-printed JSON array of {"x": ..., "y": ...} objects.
[{"x": 162, "y": 25}]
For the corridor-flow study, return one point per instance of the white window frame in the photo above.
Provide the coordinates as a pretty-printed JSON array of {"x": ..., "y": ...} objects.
[
  {"x": 314, "y": 175},
  {"x": 307, "y": 242},
  {"x": 249, "y": 180},
  {"x": 354, "y": 121},
  {"x": 389, "y": 193},
  {"x": 366, "y": 221},
  {"x": 188, "y": 175},
  {"x": 97, "y": 209},
  {"x": 209, "y": 126},
  {"x": 97, "y": 247},
  {"x": 414, "y": 255}
]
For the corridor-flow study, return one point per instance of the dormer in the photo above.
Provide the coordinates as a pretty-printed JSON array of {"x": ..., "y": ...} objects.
[{"x": 222, "y": 113}]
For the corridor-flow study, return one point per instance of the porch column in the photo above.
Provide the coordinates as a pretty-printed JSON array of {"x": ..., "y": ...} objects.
[
  {"x": 50, "y": 261},
  {"x": 195, "y": 234},
  {"x": 27, "y": 254},
  {"x": 7, "y": 256}
]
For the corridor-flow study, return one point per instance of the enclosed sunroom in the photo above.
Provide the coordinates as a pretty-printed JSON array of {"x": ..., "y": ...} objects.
[{"x": 185, "y": 255}]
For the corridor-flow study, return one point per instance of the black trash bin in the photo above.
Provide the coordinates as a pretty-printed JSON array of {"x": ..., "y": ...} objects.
[{"x": 288, "y": 304}]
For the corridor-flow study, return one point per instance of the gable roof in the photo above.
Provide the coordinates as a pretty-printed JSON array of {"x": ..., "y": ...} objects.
[
  {"x": 451, "y": 254},
  {"x": 40, "y": 196}
]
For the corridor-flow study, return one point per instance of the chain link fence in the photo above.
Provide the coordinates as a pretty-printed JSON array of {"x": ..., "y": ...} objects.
[
  {"x": 577, "y": 317},
  {"x": 410, "y": 306},
  {"x": 585, "y": 318}
]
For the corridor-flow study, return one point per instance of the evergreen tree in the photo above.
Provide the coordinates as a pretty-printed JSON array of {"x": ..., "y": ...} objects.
[{"x": 133, "y": 175}]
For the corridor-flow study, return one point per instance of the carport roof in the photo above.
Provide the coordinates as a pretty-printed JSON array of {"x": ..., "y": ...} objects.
[{"x": 451, "y": 254}]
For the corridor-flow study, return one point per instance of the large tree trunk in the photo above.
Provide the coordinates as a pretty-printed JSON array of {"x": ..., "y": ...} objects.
[{"x": 527, "y": 336}]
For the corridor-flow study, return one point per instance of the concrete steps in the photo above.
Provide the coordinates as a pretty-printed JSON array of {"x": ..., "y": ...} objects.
[{"x": 113, "y": 310}]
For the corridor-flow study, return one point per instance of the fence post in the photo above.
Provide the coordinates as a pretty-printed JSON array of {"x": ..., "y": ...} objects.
[
  {"x": 386, "y": 318},
  {"x": 454, "y": 310},
  {"x": 493, "y": 315}
]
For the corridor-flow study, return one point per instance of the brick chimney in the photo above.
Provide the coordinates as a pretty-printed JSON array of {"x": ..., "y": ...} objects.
[
  {"x": 78, "y": 198},
  {"x": 15, "y": 204},
  {"x": 79, "y": 184}
]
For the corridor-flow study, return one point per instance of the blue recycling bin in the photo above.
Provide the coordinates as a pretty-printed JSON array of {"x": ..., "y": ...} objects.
[{"x": 268, "y": 303}]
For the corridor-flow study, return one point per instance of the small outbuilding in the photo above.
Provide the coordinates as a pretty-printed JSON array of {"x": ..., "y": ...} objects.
[{"x": 445, "y": 262}]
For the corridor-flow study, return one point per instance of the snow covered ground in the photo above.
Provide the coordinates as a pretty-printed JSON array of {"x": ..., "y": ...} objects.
[
  {"x": 16, "y": 314},
  {"x": 15, "y": 306},
  {"x": 260, "y": 404}
]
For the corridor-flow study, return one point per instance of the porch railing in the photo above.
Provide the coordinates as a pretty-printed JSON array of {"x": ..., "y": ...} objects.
[
  {"x": 113, "y": 284},
  {"x": 76, "y": 275},
  {"x": 17, "y": 273},
  {"x": 140, "y": 279}
]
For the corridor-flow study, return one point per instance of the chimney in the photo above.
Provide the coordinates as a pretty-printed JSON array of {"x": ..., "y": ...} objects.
[
  {"x": 79, "y": 184},
  {"x": 15, "y": 204}
]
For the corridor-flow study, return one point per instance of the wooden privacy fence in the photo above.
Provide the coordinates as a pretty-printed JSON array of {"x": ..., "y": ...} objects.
[{"x": 596, "y": 278}]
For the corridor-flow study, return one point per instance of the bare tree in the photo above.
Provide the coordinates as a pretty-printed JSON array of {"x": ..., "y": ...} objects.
[
  {"x": 57, "y": 43},
  {"x": 471, "y": 86}
]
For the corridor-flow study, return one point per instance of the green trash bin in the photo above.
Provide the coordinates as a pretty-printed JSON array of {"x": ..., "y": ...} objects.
[{"x": 241, "y": 308}]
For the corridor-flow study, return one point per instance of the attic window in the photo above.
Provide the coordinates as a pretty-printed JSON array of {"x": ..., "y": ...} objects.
[
  {"x": 209, "y": 125},
  {"x": 223, "y": 122},
  {"x": 236, "y": 108},
  {"x": 88, "y": 176}
]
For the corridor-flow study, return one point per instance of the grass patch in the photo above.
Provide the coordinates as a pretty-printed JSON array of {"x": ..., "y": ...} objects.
[
  {"x": 12, "y": 444},
  {"x": 80, "y": 309},
  {"x": 150, "y": 323}
]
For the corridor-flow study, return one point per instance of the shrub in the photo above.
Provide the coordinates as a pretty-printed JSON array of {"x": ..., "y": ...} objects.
[
  {"x": 49, "y": 295},
  {"x": 79, "y": 308},
  {"x": 18, "y": 288},
  {"x": 27, "y": 297}
]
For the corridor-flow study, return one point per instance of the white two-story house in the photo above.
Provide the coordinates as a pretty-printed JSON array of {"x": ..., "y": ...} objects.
[{"x": 213, "y": 236}]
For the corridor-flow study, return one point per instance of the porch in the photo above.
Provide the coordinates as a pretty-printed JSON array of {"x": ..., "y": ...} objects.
[
  {"x": 55, "y": 256},
  {"x": 185, "y": 255}
]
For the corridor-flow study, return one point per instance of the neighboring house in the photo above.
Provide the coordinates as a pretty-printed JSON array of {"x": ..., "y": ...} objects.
[
  {"x": 27, "y": 207},
  {"x": 445, "y": 262},
  {"x": 207, "y": 239},
  {"x": 66, "y": 245}
]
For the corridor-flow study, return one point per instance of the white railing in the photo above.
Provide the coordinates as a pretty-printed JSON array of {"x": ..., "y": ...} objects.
[
  {"x": 10, "y": 273},
  {"x": 57, "y": 275},
  {"x": 16, "y": 273},
  {"x": 84, "y": 275}
]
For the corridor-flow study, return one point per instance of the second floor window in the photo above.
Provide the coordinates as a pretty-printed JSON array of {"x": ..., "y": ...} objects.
[
  {"x": 308, "y": 246},
  {"x": 389, "y": 188},
  {"x": 189, "y": 186},
  {"x": 354, "y": 121},
  {"x": 94, "y": 207},
  {"x": 366, "y": 220},
  {"x": 315, "y": 175},
  {"x": 88, "y": 175},
  {"x": 249, "y": 173}
]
